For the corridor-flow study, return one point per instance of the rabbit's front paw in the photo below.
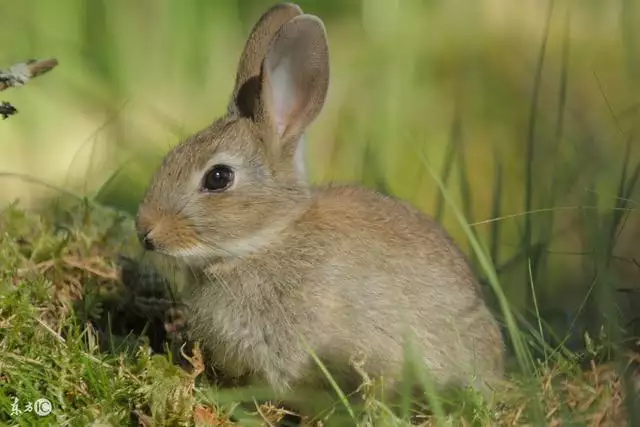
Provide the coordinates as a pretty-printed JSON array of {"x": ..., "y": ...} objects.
[{"x": 175, "y": 322}]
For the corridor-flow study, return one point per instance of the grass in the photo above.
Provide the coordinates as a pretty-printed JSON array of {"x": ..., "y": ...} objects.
[{"x": 526, "y": 115}]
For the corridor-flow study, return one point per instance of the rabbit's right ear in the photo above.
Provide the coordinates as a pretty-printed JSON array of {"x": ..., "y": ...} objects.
[
  {"x": 294, "y": 83},
  {"x": 255, "y": 50}
]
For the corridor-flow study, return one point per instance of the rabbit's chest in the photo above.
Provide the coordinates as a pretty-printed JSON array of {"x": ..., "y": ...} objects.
[{"x": 242, "y": 334}]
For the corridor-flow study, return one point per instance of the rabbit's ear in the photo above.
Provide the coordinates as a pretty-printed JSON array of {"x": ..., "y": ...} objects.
[
  {"x": 295, "y": 79},
  {"x": 254, "y": 52}
]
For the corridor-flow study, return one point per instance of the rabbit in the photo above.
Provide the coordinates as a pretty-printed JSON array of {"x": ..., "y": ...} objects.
[{"x": 280, "y": 271}]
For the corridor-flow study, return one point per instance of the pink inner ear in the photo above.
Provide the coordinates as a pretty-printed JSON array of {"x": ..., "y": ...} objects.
[{"x": 283, "y": 94}]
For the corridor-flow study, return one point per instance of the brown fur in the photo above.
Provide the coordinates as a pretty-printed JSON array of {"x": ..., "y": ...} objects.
[{"x": 353, "y": 272}]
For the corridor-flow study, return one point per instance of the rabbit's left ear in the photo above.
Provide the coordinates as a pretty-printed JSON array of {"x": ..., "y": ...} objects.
[{"x": 294, "y": 80}]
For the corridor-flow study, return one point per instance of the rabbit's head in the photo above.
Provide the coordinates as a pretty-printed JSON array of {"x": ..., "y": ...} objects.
[{"x": 233, "y": 187}]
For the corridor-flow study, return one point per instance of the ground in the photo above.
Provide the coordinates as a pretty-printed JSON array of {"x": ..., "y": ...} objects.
[{"x": 74, "y": 331}]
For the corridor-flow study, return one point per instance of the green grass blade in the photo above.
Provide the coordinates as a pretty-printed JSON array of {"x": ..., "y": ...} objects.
[{"x": 332, "y": 381}]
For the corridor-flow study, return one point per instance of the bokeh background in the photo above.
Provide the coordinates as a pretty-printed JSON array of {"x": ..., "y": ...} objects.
[{"x": 517, "y": 106}]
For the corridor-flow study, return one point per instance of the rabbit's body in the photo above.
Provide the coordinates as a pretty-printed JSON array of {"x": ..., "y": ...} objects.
[
  {"x": 335, "y": 276},
  {"x": 277, "y": 264}
]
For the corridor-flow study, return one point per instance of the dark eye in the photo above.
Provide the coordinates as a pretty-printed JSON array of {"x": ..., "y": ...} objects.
[{"x": 218, "y": 178}]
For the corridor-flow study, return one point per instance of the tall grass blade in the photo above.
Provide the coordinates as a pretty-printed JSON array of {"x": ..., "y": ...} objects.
[
  {"x": 555, "y": 186},
  {"x": 453, "y": 146},
  {"x": 332, "y": 381},
  {"x": 530, "y": 148},
  {"x": 465, "y": 188},
  {"x": 492, "y": 277},
  {"x": 537, "y": 310},
  {"x": 496, "y": 204},
  {"x": 522, "y": 352}
]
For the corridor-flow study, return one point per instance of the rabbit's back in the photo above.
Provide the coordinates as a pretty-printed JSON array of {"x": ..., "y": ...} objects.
[{"x": 400, "y": 275}]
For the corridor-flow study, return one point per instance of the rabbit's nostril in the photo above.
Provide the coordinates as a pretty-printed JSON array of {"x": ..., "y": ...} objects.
[{"x": 146, "y": 241}]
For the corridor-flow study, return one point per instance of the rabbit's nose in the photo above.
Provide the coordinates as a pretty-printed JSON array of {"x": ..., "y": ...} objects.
[{"x": 146, "y": 241}]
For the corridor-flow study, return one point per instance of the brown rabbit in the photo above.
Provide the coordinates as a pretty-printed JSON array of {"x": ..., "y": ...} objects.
[{"x": 278, "y": 268}]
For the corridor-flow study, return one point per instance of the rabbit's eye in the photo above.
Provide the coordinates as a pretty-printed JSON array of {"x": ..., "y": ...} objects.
[{"x": 218, "y": 178}]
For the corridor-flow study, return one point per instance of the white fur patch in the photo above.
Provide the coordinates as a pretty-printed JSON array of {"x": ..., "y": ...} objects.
[
  {"x": 195, "y": 255},
  {"x": 253, "y": 243},
  {"x": 300, "y": 158},
  {"x": 201, "y": 253},
  {"x": 283, "y": 92}
]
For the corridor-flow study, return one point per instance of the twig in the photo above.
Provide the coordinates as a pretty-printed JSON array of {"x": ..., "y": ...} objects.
[
  {"x": 262, "y": 415},
  {"x": 19, "y": 75}
]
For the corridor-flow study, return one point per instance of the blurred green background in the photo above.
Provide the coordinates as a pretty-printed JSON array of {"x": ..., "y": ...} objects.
[{"x": 519, "y": 106}]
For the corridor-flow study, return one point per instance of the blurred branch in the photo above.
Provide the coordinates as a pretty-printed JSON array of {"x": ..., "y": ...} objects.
[{"x": 19, "y": 75}]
